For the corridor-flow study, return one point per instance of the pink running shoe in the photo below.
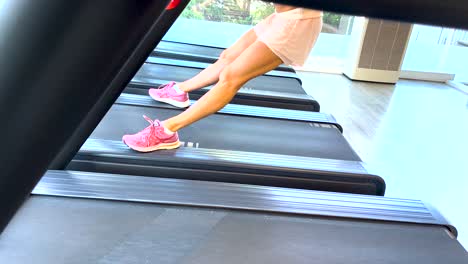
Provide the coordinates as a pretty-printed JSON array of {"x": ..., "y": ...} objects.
[
  {"x": 167, "y": 94},
  {"x": 152, "y": 138}
]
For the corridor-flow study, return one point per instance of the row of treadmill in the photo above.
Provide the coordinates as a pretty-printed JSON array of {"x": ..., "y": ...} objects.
[
  {"x": 267, "y": 179},
  {"x": 272, "y": 129}
]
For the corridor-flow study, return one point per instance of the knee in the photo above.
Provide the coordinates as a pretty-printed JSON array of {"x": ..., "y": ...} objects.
[
  {"x": 227, "y": 56},
  {"x": 230, "y": 79}
]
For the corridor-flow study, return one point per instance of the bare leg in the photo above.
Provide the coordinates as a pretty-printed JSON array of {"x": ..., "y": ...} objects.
[
  {"x": 256, "y": 60},
  {"x": 210, "y": 75}
]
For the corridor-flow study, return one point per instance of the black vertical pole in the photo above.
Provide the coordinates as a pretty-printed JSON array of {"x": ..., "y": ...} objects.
[
  {"x": 95, "y": 116},
  {"x": 56, "y": 60}
]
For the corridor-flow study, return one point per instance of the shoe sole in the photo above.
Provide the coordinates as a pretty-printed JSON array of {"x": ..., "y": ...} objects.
[
  {"x": 157, "y": 147},
  {"x": 172, "y": 102}
]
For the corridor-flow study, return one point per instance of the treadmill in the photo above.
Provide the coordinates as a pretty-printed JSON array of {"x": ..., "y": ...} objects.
[
  {"x": 168, "y": 70},
  {"x": 194, "y": 52},
  {"x": 149, "y": 219},
  {"x": 203, "y": 65},
  {"x": 262, "y": 91},
  {"x": 101, "y": 218},
  {"x": 239, "y": 144}
]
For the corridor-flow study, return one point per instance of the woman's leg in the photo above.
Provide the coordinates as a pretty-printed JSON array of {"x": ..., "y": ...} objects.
[
  {"x": 210, "y": 75},
  {"x": 256, "y": 60}
]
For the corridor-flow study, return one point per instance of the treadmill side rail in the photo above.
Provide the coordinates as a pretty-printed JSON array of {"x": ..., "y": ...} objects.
[
  {"x": 237, "y": 196},
  {"x": 85, "y": 51},
  {"x": 230, "y": 166},
  {"x": 243, "y": 110}
]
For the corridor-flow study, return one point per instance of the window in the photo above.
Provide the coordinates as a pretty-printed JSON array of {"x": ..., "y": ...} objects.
[
  {"x": 220, "y": 23},
  {"x": 438, "y": 50}
]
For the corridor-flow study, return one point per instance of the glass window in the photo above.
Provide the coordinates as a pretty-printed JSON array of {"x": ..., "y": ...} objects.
[
  {"x": 220, "y": 23},
  {"x": 438, "y": 50}
]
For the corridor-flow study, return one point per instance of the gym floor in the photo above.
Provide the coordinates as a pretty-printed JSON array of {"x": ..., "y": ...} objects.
[{"x": 414, "y": 134}]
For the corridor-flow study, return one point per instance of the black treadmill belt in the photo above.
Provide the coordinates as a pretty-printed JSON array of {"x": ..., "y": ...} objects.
[
  {"x": 189, "y": 48},
  {"x": 231, "y": 132},
  {"x": 149, "y": 72},
  {"x": 195, "y": 52},
  {"x": 65, "y": 230},
  {"x": 203, "y": 65}
]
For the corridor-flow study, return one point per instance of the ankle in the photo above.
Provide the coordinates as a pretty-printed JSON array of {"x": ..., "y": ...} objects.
[
  {"x": 168, "y": 129},
  {"x": 181, "y": 87}
]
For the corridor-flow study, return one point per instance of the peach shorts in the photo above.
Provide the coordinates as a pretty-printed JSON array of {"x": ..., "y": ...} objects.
[{"x": 290, "y": 39}]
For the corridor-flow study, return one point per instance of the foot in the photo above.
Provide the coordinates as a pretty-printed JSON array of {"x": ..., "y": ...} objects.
[
  {"x": 168, "y": 94},
  {"x": 152, "y": 138}
]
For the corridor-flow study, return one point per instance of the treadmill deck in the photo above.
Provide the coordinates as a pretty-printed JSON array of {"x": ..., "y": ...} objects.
[{"x": 70, "y": 230}]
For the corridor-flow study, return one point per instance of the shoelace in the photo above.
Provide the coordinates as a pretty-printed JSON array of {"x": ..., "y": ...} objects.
[
  {"x": 163, "y": 90},
  {"x": 150, "y": 131}
]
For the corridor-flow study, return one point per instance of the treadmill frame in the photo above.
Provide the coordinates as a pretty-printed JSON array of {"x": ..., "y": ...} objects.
[
  {"x": 46, "y": 95},
  {"x": 109, "y": 156},
  {"x": 110, "y": 95},
  {"x": 238, "y": 197},
  {"x": 22, "y": 168}
]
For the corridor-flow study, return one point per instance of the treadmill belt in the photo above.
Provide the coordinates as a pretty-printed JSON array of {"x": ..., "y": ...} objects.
[
  {"x": 231, "y": 132},
  {"x": 203, "y": 65},
  {"x": 65, "y": 230},
  {"x": 189, "y": 48},
  {"x": 195, "y": 52},
  {"x": 149, "y": 72},
  {"x": 231, "y": 148}
]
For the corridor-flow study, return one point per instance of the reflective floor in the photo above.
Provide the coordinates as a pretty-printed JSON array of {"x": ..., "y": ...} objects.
[{"x": 415, "y": 135}]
